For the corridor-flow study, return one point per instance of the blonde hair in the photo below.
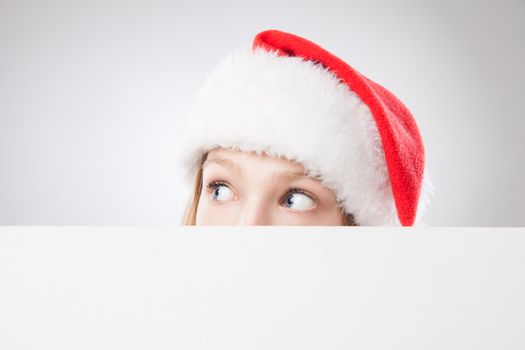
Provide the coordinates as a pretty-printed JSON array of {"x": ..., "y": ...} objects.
[{"x": 190, "y": 213}]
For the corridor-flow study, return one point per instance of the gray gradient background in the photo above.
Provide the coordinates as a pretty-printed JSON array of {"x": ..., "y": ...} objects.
[{"x": 93, "y": 95}]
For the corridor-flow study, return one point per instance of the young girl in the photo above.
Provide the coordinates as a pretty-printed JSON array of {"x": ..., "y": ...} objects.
[{"x": 286, "y": 133}]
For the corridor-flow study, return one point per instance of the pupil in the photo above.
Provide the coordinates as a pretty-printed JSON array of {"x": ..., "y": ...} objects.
[{"x": 289, "y": 200}]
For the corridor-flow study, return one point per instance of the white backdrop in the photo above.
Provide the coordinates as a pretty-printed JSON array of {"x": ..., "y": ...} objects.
[{"x": 93, "y": 95}]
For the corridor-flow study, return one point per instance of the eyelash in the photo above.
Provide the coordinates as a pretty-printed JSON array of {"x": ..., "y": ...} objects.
[{"x": 213, "y": 184}]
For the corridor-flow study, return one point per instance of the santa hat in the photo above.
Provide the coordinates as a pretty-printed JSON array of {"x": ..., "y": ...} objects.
[{"x": 288, "y": 97}]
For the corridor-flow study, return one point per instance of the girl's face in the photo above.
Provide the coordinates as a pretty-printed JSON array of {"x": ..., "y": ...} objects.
[{"x": 241, "y": 188}]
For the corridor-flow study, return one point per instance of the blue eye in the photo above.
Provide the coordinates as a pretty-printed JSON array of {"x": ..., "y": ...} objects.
[
  {"x": 298, "y": 200},
  {"x": 220, "y": 192},
  {"x": 295, "y": 199}
]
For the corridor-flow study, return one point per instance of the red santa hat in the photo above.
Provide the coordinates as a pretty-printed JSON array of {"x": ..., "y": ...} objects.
[{"x": 288, "y": 97}]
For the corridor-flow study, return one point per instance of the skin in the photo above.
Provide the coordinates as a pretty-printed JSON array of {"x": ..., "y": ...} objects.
[{"x": 253, "y": 189}]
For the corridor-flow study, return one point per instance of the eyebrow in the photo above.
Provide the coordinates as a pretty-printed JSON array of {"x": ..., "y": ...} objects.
[
  {"x": 290, "y": 175},
  {"x": 225, "y": 163}
]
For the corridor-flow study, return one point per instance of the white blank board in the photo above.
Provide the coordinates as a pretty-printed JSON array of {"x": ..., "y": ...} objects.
[{"x": 87, "y": 287}]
